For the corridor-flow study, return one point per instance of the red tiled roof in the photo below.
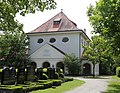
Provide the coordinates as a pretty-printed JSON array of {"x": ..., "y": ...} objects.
[{"x": 65, "y": 24}]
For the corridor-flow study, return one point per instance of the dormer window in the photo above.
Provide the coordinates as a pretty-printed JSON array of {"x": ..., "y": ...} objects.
[{"x": 56, "y": 23}]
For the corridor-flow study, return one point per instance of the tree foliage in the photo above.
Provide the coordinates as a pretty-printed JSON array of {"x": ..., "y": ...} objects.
[
  {"x": 98, "y": 51},
  {"x": 73, "y": 64},
  {"x": 9, "y": 9},
  {"x": 13, "y": 41},
  {"x": 105, "y": 19}
]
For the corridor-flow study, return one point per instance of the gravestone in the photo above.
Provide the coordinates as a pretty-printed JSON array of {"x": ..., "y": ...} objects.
[
  {"x": 12, "y": 75},
  {"x": 5, "y": 76},
  {"x": 21, "y": 75},
  {"x": 39, "y": 72},
  {"x": 30, "y": 73},
  {"x": 53, "y": 73},
  {"x": 58, "y": 70},
  {"x": 49, "y": 73}
]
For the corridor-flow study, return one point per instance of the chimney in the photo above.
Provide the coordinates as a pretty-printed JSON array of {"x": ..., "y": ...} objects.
[{"x": 84, "y": 30}]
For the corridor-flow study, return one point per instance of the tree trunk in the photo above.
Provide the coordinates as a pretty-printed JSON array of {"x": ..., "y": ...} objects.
[{"x": 93, "y": 70}]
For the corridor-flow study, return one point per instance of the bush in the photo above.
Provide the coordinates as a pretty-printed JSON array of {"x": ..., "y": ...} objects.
[
  {"x": 48, "y": 84},
  {"x": 11, "y": 89},
  {"x": 33, "y": 87},
  {"x": 67, "y": 79},
  {"x": 44, "y": 76},
  {"x": 118, "y": 71},
  {"x": 56, "y": 76},
  {"x": 61, "y": 70},
  {"x": 57, "y": 82},
  {"x": 61, "y": 75},
  {"x": 45, "y": 70}
]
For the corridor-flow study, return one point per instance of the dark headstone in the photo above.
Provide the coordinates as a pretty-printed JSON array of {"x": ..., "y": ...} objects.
[
  {"x": 21, "y": 75},
  {"x": 49, "y": 73},
  {"x": 12, "y": 75},
  {"x": 53, "y": 73},
  {"x": 5, "y": 76},
  {"x": 39, "y": 72},
  {"x": 58, "y": 70},
  {"x": 8, "y": 76},
  {"x": 30, "y": 73}
]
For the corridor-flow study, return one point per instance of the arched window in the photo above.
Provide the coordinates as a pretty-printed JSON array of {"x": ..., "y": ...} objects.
[
  {"x": 60, "y": 65},
  {"x": 46, "y": 64}
]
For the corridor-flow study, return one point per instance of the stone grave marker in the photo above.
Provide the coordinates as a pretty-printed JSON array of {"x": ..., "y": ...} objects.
[
  {"x": 49, "y": 73},
  {"x": 30, "y": 73},
  {"x": 39, "y": 72},
  {"x": 12, "y": 75},
  {"x": 52, "y": 73},
  {"x": 21, "y": 75},
  {"x": 5, "y": 78}
]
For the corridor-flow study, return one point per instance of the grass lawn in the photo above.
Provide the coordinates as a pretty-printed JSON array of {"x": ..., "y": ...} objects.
[
  {"x": 114, "y": 85},
  {"x": 61, "y": 89}
]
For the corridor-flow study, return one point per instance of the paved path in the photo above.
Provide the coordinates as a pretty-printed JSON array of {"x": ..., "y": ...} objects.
[{"x": 91, "y": 85}]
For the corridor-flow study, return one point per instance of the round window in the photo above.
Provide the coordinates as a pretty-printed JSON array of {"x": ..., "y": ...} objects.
[
  {"x": 52, "y": 40},
  {"x": 65, "y": 39},
  {"x": 40, "y": 40}
]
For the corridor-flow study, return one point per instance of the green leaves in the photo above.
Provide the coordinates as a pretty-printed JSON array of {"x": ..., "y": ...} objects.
[
  {"x": 73, "y": 64},
  {"x": 105, "y": 19},
  {"x": 13, "y": 42},
  {"x": 9, "y": 8}
]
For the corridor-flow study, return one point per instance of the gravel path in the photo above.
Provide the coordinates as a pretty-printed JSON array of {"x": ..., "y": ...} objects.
[{"x": 91, "y": 85}]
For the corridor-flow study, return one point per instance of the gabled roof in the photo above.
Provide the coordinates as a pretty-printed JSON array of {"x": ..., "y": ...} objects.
[{"x": 65, "y": 24}]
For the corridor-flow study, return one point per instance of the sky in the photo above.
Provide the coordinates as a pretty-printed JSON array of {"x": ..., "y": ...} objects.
[{"x": 75, "y": 10}]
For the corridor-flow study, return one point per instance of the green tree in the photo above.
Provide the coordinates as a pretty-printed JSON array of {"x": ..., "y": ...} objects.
[
  {"x": 98, "y": 51},
  {"x": 105, "y": 19},
  {"x": 9, "y": 9},
  {"x": 13, "y": 49},
  {"x": 73, "y": 64},
  {"x": 13, "y": 41}
]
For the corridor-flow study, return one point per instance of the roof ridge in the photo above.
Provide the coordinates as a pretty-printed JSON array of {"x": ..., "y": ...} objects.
[
  {"x": 47, "y": 21},
  {"x": 47, "y": 26}
]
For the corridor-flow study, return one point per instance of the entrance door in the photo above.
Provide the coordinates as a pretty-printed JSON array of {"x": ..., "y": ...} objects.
[{"x": 86, "y": 69}]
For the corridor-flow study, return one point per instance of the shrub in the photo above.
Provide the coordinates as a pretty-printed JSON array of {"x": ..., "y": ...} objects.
[
  {"x": 45, "y": 70},
  {"x": 33, "y": 87},
  {"x": 11, "y": 89},
  {"x": 66, "y": 79},
  {"x": 118, "y": 71},
  {"x": 44, "y": 76},
  {"x": 48, "y": 84},
  {"x": 61, "y": 70},
  {"x": 61, "y": 75},
  {"x": 57, "y": 82},
  {"x": 56, "y": 76}
]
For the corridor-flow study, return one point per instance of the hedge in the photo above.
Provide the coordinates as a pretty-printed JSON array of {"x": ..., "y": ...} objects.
[
  {"x": 118, "y": 71},
  {"x": 57, "y": 82}
]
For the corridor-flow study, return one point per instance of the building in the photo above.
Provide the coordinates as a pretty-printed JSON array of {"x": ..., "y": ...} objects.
[{"x": 49, "y": 43}]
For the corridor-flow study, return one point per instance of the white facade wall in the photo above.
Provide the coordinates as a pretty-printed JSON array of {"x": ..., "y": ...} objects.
[
  {"x": 72, "y": 46},
  {"x": 82, "y": 42},
  {"x": 53, "y": 62}
]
